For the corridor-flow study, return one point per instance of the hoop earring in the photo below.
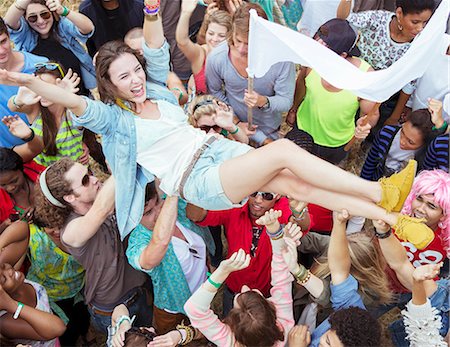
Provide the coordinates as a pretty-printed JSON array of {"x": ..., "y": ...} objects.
[
  {"x": 441, "y": 225},
  {"x": 399, "y": 26}
]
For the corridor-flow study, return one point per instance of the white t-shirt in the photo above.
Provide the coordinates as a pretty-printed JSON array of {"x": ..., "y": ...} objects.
[
  {"x": 397, "y": 158},
  {"x": 172, "y": 135},
  {"x": 435, "y": 82}
]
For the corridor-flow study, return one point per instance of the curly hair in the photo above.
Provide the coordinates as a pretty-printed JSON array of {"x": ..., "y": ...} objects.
[
  {"x": 254, "y": 322},
  {"x": 355, "y": 327},
  {"x": 367, "y": 266},
  {"x": 107, "y": 54},
  {"x": 421, "y": 120},
  {"x": 45, "y": 212},
  {"x": 10, "y": 160},
  {"x": 437, "y": 183}
]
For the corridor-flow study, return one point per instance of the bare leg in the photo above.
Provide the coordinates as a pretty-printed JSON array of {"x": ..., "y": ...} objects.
[
  {"x": 246, "y": 174},
  {"x": 288, "y": 184}
]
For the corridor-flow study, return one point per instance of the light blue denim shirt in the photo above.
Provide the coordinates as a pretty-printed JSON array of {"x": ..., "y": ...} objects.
[
  {"x": 118, "y": 131},
  {"x": 26, "y": 39}
]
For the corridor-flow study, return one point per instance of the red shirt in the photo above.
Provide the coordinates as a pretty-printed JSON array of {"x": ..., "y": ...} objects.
[
  {"x": 321, "y": 218},
  {"x": 432, "y": 254},
  {"x": 238, "y": 230},
  {"x": 32, "y": 171}
]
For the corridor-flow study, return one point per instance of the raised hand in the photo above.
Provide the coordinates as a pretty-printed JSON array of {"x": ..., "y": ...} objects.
[
  {"x": 362, "y": 130},
  {"x": 70, "y": 82},
  {"x": 435, "y": 108},
  {"x": 224, "y": 116},
  {"x": 270, "y": 220},
  {"x": 10, "y": 78},
  {"x": 427, "y": 272},
  {"x": 26, "y": 96},
  {"x": 341, "y": 217},
  {"x": 233, "y": 5},
  {"x": 239, "y": 260},
  {"x": 17, "y": 126},
  {"x": 289, "y": 253},
  {"x": 299, "y": 336},
  {"x": 188, "y": 5},
  {"x": 294, "y": 232},
  {"x": 54, "y": 6},
  {"x": 212, "y": 7}
]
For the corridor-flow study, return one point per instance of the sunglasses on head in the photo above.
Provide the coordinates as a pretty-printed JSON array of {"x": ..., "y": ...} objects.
[
  {"x": 49, "y": 67},
  {"x": 34, "y": 17},
  {"x": 264, "y": 195}
]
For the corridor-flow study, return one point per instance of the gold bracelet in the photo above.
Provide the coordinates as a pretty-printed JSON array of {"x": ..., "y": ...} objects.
[
  {"x": 301, "y": 274},
  {"x": 306, "y": 279}
]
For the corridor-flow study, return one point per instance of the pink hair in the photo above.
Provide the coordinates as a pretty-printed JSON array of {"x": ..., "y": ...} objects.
[{"x": 437, "y": 183}]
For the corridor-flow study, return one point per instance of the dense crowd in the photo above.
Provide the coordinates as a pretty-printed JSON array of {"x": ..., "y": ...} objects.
[{"x": 212, "y": 226}]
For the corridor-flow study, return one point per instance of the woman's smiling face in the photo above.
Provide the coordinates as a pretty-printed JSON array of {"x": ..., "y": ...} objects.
[{"x": 39, "y": 18}]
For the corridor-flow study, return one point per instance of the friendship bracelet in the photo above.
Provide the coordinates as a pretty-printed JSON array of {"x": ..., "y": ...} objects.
[
  {"x": 181, "y": 93},
  {"x": 443, "y": 127},
  {"x": 65, "y": 11},
  {"x": 124, "y": 318},
  {"x": 235, "y": 132},
  {"x": 215, "y": 284},
  {"x": 276, "y": 235},
  {"x": 14, "y": 102},
  {"x": 299, "y": 215},
  {"x": 18, "y": 310}
]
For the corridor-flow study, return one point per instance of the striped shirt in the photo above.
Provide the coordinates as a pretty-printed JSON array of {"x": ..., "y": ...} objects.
[
  {"x": 68, "y": 141},
  {"x": 437, "y": 154}
]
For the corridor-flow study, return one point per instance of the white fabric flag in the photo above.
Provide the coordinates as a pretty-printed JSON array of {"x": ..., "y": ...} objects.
[{"x": 271, "y": 43}]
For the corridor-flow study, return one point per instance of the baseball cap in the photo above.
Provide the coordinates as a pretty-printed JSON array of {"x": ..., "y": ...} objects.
[{"x": 339, "y": 36}]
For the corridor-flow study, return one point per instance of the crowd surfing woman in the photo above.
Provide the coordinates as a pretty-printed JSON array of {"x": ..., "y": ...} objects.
[
  {"x": 25, "y": 314},
  {"x": 51, "y": 265},
  {"x": 141, "y": 123},
  {"x": 46, "y": 28},
  {"x": 218, "y": 28},
  {"x": 254, "y": 320},
  {"x": 215, "y": 117},
  {"x": 51, "y": 122}
]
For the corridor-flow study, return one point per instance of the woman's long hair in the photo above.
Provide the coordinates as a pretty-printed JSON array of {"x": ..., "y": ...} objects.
[
  {"x": 368, "y": 267},
  {"x": 50, "y": 127}
]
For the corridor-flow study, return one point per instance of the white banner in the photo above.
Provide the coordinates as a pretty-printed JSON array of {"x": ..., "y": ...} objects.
[{"x": 271, "y": 43}]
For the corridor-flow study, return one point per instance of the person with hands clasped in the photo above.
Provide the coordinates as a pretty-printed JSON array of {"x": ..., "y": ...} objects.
[
  {"x": 46, "y": 28},
  {"x": 52, "y": 135},
  {"x": 254, "y": 320},
  {"x": 25, "y": 314}
]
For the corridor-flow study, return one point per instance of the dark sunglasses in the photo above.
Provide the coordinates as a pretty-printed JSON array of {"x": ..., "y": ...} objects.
[
  {"x": 265, "y": 196},
  {"x": 49, "y": 67},
  {"x": 84, "y": 181},
  {"x": 34, "y": 17},
  {"x": 207, "y": 128}
]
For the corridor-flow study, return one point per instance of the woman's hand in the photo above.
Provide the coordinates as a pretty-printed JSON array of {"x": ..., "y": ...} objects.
[
  {"x": 239, "y": 260},
  {"x": 294, "y": 232},
  {"x": 270, "y": 220},
  {"x": 381, "y": 226},
  {"x": 362, "y": 130},
  {"x": 84, "y": 158},
  {"x": 253, "y": 99},
  {"x": 340, "y": 217},
  {"x": 70, "y": 82},
  {"x": 119, "y": 337},
  {"x": 11, "y": 78},
  {"x": 233, "y": 5},
  {"x": 426, "y": 272},
  {"x": 26, "y": 96},
  {"x": 17, "y": 126},
  {"x": 171, "y": 339},
  {"x": 290, "y": 256},
  {"x": 224, "y": 116},
  {"x": 55, "y": 6},
  {"x": 299, "y": 336},
  {"x": 188, "y": 5},
  {"x": 212, "y": 7}
]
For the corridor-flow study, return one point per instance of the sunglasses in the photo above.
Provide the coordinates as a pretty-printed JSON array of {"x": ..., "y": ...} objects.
[
  {"x": 34, "y": 17},
  {"x": 264, "y": 195},
  {"x": 207, "y": 128},
  {"x": 49, "y": 67},
  {"x": 84, "y": 181}
]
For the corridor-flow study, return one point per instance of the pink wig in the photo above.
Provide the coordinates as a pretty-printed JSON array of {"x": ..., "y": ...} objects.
[{"x": 436, "y": 183}]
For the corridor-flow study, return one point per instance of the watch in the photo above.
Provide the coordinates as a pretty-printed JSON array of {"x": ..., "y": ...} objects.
[{"x": 266, "y": 105}]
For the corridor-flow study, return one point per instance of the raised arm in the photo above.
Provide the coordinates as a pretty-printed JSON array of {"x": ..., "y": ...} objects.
[
  {"x": 153, "y": 29},
  {"x": 162, "y": 234},
  {"x": 15, "y": 12},
  {"x": 193, "y": 51},
  {"x": 32, "y": 324},
  {"x": 49, "y": 91},
  {"x": 195, "y": 213},
  {"x": 81, "y": 229},
  {"x": 299, "y": 95},
  {"x": 82, "y": 22},
  {"x": 344, "y": 9},
  {"x": 338, "y": 253}
]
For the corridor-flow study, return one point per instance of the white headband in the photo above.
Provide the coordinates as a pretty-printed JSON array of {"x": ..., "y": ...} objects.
[{"x": 46, "y": 191}]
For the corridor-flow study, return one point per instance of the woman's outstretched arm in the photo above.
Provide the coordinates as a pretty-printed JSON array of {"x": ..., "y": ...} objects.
[
  {"x": 193, "y": 51},
  {"x": 15, "y": 12},
  {"x": 153, "y": 29},
  {"x": 51, "y": 92},
  {"x": 338, "y": 253}
]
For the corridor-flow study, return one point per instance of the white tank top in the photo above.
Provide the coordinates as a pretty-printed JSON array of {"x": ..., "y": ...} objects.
[{"x": 166, "y": 146}]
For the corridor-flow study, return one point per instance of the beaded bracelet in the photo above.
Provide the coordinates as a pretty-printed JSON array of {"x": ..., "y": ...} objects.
[
  {"x": 306, "y": 279},
  {"x": 277, "y": 235},
  {"x": 152, "y": 10},
  {"x": 301, "y": 274}
]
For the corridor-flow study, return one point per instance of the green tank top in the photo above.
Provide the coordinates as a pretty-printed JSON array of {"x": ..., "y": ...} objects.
[{"x": 329, "y": 117}]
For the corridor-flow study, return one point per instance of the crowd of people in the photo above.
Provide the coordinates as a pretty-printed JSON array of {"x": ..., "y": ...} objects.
[{"x": 211, "y": 226}]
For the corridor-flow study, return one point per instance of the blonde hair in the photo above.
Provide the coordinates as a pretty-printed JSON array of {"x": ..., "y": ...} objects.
[
  {"x": 368, "y": 267},
  {"x": 202, "y": 105}
]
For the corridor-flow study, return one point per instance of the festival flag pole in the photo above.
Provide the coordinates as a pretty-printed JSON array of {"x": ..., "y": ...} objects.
[
  {"x": 374, "y": 109},
  {"x": 250, "y": 109}
]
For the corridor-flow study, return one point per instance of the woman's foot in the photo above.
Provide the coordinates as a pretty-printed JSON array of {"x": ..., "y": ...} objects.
[
  {"x": 413, "y": 230},
  {"x": 396, "y": 188}
]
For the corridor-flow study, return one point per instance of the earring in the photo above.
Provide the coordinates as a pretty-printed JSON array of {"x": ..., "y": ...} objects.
[
  {"x": 441, "y": 225},
  {"x": 399, "y": 26}
]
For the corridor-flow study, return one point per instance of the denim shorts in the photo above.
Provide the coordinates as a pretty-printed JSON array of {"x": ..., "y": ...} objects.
[{"x": 203, "y": 187}]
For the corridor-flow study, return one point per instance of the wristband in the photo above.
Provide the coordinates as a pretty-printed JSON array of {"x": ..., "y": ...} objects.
[
  {"x": 29, "y": 138},
  {"x": 301, "y": 273},
  {"x": 299, "y": 215},
  {"x": 14, "y": 102},
  {"x": 383, "y": 235},
  {"x": 443, "y": 127},
  {"x": 18, "y": 310},
  {"x": 124, "y": 318},
  {"x": 235, "y": 132},
  {"x": 306, "y": 279},
  {"x": 215, "y": 284},
  {"x": 181, "y": 93},
  {"x": 65, "y": 11},
  {"x": 277, "y": 235}
]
